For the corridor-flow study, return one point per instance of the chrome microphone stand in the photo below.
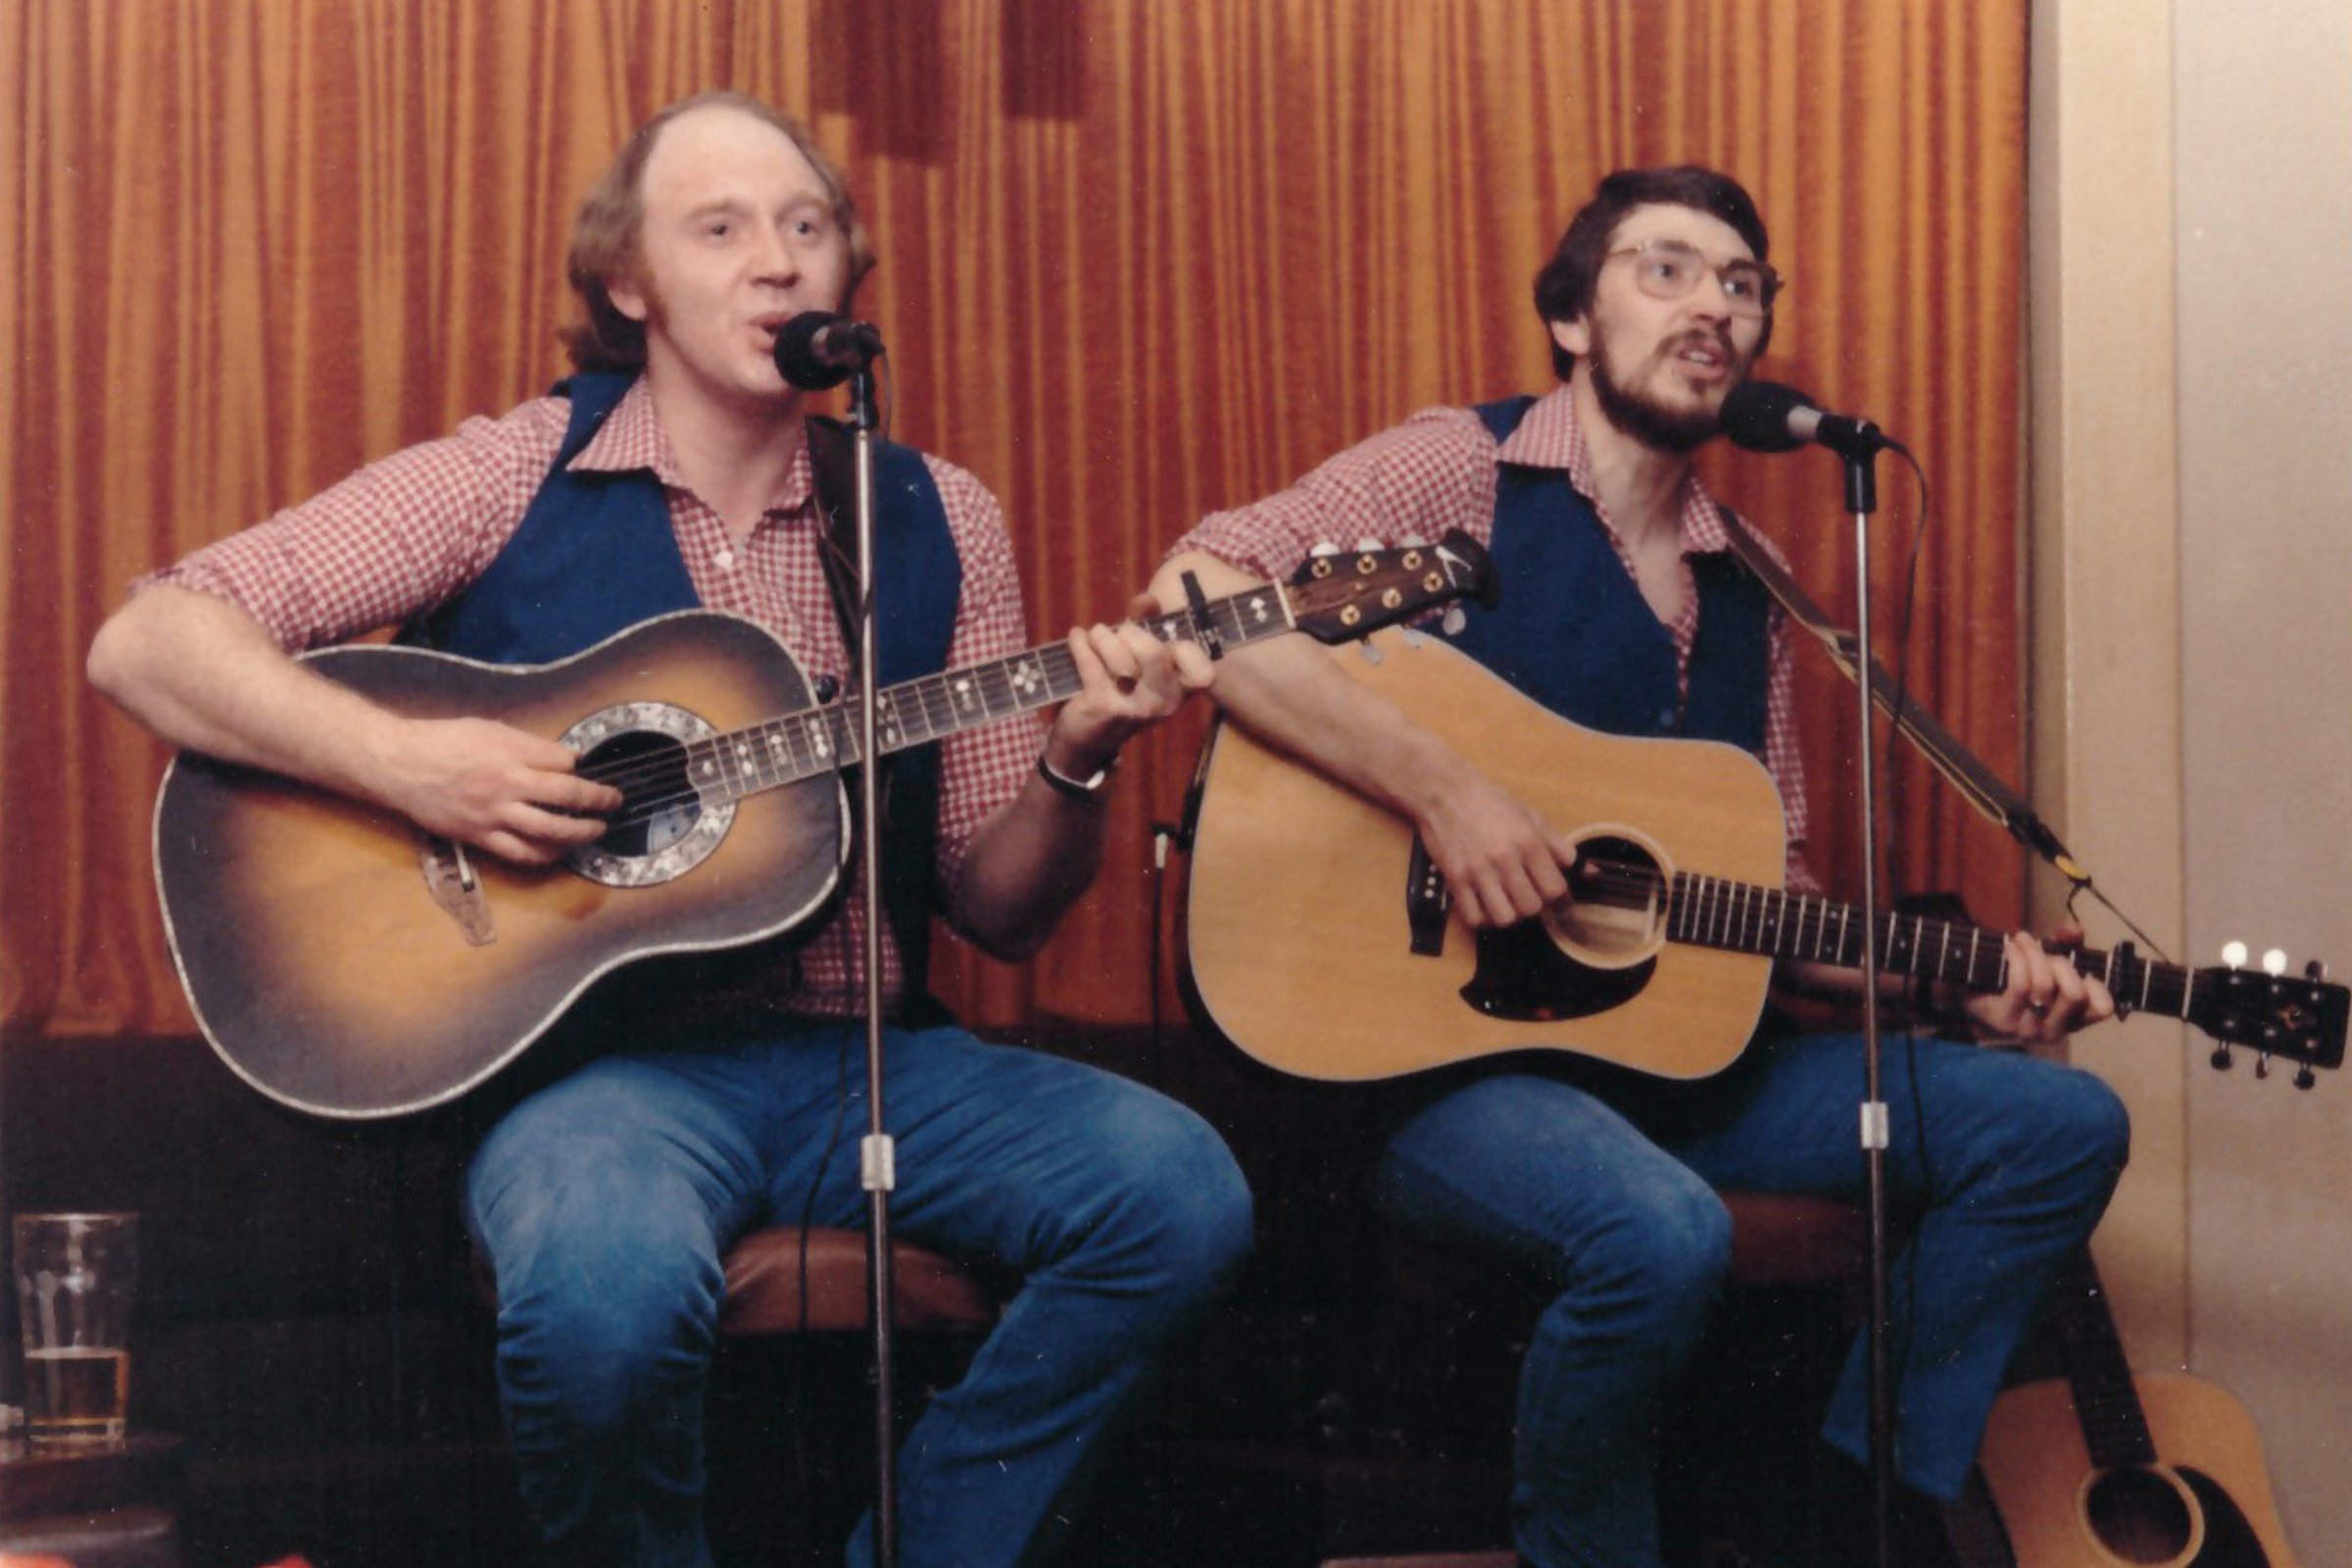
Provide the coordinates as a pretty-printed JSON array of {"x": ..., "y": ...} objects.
[
  {"x": 1862, "y": 498},
  {"x": 815, "y": 350},
  {"x": 1767, "y": 416},
  {"x": 877, "y": 1163}
]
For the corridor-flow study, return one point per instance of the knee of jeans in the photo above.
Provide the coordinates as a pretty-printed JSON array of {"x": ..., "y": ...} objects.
[
  {"x": 608, "y": 1320},
  {"x": 1674, "y": 1256},
  {"x": 1175, "y": 1204},
  {"x": 2093, "y": 1121},
  {"x": 2072, "y": 1127}
]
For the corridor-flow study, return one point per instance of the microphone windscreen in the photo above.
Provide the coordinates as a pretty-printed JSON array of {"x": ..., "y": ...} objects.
[
  {"x": 1755, "y": 415},
  {"x": 796, "y": 359}
]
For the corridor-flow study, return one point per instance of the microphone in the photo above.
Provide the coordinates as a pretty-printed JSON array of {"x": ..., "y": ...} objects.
[
  {"x": 1767, "y": 416},
  {"x": 818, "y": 349}
]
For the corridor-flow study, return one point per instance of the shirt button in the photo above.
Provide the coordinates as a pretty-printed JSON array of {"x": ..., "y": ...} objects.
[
  {"x": 725, "y": 559},
  {"x": 1665, "y": 718}
]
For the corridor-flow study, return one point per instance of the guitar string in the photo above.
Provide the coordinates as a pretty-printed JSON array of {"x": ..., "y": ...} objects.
[
  {"x": 1224, "y": 617},
  {"x": 914, "y": 700},
  {"x": 671, "y": 766},
  {"x": 1625, "y": 885},
  {"x": 2159, "y": 986},
  {"x": 641, "y": 770},
  {"x": 844, "y": 715}
]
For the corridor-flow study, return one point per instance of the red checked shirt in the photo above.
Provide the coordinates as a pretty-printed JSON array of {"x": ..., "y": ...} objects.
[
  {"x": 405, "y": 533},
  {"x": 1438, "y": 470}
]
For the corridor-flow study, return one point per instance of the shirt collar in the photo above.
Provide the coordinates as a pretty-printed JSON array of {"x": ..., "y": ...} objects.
[
  {"x": 1550, "y": 438},
  {"x": 632, "y": 440}
]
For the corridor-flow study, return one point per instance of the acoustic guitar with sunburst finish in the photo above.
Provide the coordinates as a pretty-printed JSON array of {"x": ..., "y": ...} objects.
[{"x": 344, "y": 963}]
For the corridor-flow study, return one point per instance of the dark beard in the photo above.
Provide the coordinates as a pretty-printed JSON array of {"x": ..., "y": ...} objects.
[{"x": 1661, "y": 429}]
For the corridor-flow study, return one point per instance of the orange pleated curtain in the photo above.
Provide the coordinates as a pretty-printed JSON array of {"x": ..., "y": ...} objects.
[{"x": 1140, "y": 260}]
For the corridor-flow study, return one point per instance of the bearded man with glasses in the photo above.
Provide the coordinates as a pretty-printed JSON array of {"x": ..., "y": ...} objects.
[{"x": 1625, "y": 609}]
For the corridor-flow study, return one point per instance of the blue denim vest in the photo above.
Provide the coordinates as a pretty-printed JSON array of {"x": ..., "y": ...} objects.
[{"x": 1573, "y": 632}]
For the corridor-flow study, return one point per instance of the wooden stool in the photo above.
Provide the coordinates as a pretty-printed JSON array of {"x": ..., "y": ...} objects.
[
  {"x": 1781, "y": 1239},
  {"x": 766, "y": 1286}
]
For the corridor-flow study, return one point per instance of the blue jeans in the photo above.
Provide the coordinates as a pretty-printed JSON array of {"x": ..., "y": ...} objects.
[
  {"x": 1612, "y": 1207},
  {"x": 604, "y": 1200}
]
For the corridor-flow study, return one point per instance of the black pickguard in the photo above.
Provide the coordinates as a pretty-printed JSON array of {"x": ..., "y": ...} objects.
[{"x": 1523, "y": 976}]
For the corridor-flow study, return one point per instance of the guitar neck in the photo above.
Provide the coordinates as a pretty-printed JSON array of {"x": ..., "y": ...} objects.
[
  {"x": 1710, "y": 912},
  {"x": 2115, "y": 1424},
  {"x": 792, "y": 747}
]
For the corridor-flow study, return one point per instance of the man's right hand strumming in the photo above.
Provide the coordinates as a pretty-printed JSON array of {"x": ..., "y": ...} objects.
[{"x": 503, "y": 790}]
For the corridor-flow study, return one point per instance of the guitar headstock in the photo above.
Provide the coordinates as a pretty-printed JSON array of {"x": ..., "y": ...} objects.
[
  {"x": 1334, "y": 597},
  {"x": 2264, "y": 1009}
]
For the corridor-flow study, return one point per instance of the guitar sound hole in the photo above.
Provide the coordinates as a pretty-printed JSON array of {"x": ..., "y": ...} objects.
[
  {"x": 659, "y": 807},
  {"x": 2139, "y": 1516},
  {"x": 1616, "y": 899}
]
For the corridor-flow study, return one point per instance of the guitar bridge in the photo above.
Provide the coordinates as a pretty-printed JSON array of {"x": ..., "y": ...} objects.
[
  {"x": 1428, "y": 906},
  {"x": 450, "y": 877}
]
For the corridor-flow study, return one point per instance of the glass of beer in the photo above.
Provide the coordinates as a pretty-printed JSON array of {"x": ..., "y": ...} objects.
[{"x": 74, "y": 1277}]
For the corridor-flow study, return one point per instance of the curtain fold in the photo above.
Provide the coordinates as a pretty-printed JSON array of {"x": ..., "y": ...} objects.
[{"x": 1139, "y": 261}]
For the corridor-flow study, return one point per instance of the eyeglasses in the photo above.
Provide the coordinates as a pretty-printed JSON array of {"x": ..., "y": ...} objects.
[{"x": 1669, "y": 270}]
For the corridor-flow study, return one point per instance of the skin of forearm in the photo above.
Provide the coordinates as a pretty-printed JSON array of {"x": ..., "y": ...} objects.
[
  {"x": 1027, "y": 865},
  {"x": 202, "y": 674}
]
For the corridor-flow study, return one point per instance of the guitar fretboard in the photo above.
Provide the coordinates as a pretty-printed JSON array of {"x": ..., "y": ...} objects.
[
  {"x": 785, "y": 750},
  {"x": 1714, "y": 913},
  {"x": 2115, "y": 1425}
]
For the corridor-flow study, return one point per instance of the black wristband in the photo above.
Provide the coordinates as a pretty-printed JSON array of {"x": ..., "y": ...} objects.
[{"x": 1089, "y": 789}]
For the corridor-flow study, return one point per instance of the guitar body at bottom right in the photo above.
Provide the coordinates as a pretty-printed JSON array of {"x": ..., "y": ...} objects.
[{"x": 2109, "y": 1468}]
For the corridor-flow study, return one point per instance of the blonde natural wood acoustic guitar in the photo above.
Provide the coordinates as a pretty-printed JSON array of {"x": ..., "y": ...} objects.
[
  {"x": 2108, "y": 1468},
  {"x": 1320, "y": 941}
]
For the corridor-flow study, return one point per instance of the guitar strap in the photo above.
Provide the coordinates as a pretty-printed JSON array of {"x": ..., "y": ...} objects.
[{"x": 1978, "y": 784}]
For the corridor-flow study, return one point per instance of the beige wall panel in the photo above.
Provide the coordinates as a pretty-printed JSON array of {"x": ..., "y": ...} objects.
[
  {"x": 2102, "y": 580},
  {"x": 2264, "y": 168}
]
